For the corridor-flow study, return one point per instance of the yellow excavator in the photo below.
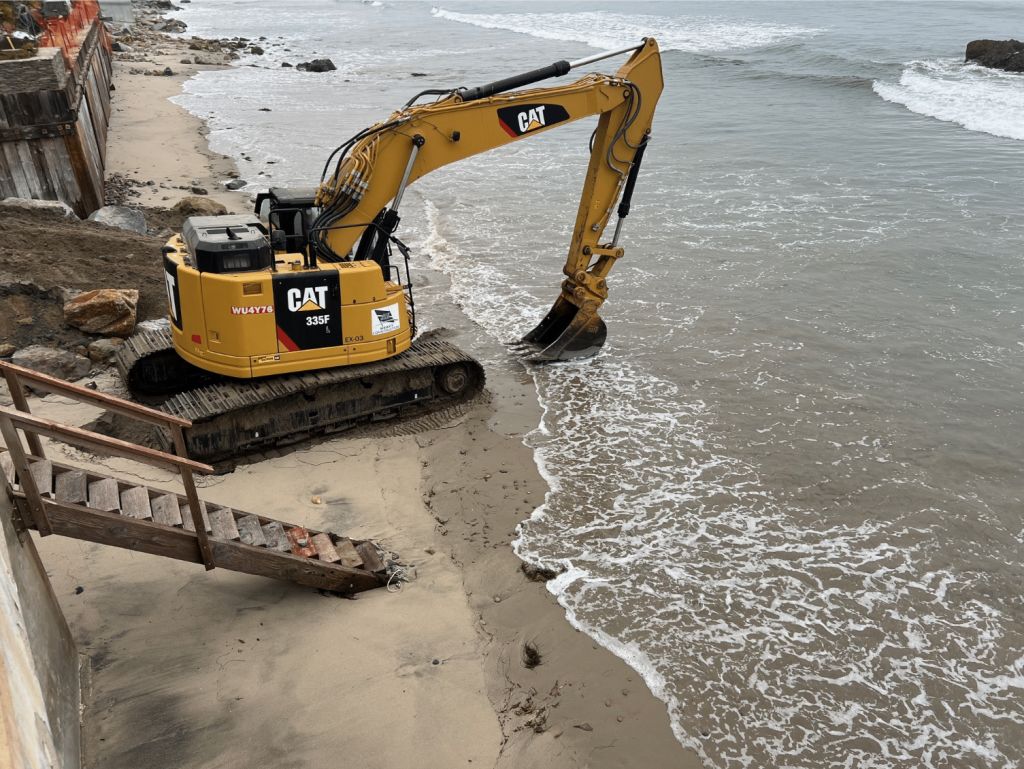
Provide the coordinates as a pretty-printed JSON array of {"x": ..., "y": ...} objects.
[{"x": 305, "y": 325}]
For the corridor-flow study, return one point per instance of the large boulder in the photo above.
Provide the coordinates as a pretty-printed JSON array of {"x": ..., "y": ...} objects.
[
  {"x": 122, "y": 217},
  {"x": 317, "y": 65},
  {"x": 197, "y": 206},
  {"x": 62, "y": 364},
  {"x": 108, "y": 311},
  {"x": 1006, "y": 55},
  {"x": 30, "y": 204}
]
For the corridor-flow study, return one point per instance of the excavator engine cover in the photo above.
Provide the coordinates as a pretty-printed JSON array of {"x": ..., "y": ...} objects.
[{"x": 223, "y": 244}]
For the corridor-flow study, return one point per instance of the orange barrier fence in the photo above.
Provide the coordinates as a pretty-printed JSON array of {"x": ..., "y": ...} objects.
[{"x": 68, "y": 33}]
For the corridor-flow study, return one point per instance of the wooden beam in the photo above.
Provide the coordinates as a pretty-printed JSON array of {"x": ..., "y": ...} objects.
[
  {"x": 85, "y": 395},
  {"x": 35, "y": 446},
  {"x": 85, "y": 439},
  {"x": 292, "y": 568},
  {"x": 32, "y": 497},
  {"x": 129, "y": 533},
  {"x": 196, "y": 511}
]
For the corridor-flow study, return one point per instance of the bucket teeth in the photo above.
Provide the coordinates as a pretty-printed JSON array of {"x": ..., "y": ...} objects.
[{"x": 566, "y": 333}]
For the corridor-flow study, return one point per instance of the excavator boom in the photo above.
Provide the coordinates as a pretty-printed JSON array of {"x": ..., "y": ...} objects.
[{"x": 375, "y": 167}]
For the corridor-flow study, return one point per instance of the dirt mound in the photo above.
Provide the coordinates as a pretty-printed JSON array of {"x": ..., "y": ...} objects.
[{"x": 42, "y": 255}]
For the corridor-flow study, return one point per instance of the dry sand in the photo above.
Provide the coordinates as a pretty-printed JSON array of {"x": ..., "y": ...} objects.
[{"x": 196, "y": 669}]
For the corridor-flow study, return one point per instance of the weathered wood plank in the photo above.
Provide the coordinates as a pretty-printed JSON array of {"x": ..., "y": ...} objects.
[
  {"x": 371, "y": 559},
  {"x": 166, "y": 510},
  {"x": 325, "y": 548},
  {"x": 347, "y": 553},
  {"x": 186, "y": 516},
  {"x": 135, "y": 502},
  {"x": 250, "y": 531},
  {"x": 71, "y": 486},
  {"x": 276, "y": 538},
  {"x": 300, "y": 544},
  {"x": 104, "y": 495},
  {"x": 223, "y": 522},
  {"x": 120, "y": 531},
  {"x": 285, "y": 566},
  {"x": 42, "y": 474}
]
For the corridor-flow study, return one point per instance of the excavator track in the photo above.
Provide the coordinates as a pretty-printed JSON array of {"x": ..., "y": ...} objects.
[{"x": 232, "y": 418}]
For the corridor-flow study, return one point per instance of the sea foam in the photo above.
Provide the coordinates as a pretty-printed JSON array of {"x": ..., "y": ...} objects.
[
  {"x": 977, "y": 98},
  {"x": 602, "y": 29}
]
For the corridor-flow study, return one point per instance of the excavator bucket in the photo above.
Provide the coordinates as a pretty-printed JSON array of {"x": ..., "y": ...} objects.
[{"x": 567, "y": 332}]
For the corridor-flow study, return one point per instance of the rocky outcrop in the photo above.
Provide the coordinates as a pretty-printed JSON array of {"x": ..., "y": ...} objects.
[
  {"x": 196, "y": 206},
  {"x": 109, "y": 311},
  {"x": 317, "y": 65},
  {"x": 46, "y": 360},
  {"x": 1007, "y": 55},
  {"x": 122, "y": 217}
]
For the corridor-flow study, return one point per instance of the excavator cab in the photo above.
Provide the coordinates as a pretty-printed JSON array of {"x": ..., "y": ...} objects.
[{"x": 290, "y": 214}]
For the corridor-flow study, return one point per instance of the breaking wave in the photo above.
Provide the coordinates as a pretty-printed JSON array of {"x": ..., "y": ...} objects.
[
  {"x": 976, "y": 98},
  {"x": 602, "y": 29}
]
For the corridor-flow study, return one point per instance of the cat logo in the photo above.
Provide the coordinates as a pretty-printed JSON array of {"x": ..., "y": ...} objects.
[
  {"x": 517, "y": 121},
  {"x": 310, "y": 299}
]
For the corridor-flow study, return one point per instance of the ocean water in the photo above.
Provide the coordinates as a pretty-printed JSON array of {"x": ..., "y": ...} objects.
[{"x": 788, "y": 492}]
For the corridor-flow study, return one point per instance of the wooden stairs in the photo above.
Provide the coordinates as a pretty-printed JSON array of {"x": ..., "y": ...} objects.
[{"x": 55, "y": 498}]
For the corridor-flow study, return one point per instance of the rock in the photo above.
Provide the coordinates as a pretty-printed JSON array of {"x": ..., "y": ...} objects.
[
  {"x": 255, "y": 50},
  {"x": 1006, "y": 55},
  {"x": 58, "y": 206},
  {"x": 46, "y": 360},
  {"x": 170, "y": 25},
  {"x": 317, "y": 65},
  {"x": 103, "y": 350},
  {"x": 236, "y": 184},
  {"x": 122, "y": 217},
  {"x": 103, "y": 311},
  {"x": 285, "y": 64},
  {"x": 264, "y": 109},
  {"x": 7, "y": 350},
  {"x": 199, "y": 191},
  {"x": 193, "y": 206}
]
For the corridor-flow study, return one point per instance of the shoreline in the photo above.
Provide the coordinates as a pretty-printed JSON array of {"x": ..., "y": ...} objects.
[{"x": 475, "y": 481}]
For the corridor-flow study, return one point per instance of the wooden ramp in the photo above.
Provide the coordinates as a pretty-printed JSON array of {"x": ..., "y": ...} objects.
[{"x": 55, "y": 498}]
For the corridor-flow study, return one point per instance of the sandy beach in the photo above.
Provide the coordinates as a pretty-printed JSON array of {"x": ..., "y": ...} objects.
[{"x": 225, "y": 670}]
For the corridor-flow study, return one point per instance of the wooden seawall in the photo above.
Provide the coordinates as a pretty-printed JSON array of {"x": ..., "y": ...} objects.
[{"x": 54, "y": 111}]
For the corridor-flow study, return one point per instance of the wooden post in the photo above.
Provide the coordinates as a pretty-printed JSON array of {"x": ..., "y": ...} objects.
[
  {"x": 21, "y": 403},
  {"x": 28, "y": 483},
  {"x": 193, "y": 497}
]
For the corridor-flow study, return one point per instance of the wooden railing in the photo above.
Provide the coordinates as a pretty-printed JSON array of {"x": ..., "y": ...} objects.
[{"x": 21, "y": 418}]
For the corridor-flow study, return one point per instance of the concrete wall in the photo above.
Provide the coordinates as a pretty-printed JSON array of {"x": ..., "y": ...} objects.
[
  {"x": 118, "y": 10},
  {"x": 39, "y": 668}
]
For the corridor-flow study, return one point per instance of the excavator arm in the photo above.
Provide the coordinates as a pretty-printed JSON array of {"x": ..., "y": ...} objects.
[{"x": 373, "y": 169}]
